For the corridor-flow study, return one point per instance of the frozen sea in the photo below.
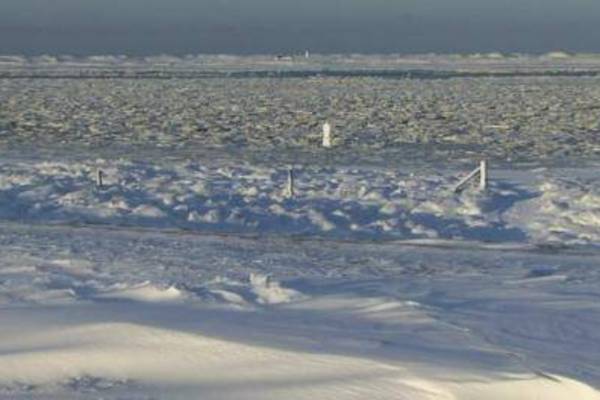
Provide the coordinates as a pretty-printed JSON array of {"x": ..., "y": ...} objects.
[{"x": 193, "y": 271}]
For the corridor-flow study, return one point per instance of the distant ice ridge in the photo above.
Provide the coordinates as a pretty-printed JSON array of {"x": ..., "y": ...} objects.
[
  {"x": 342, "y": 203},
  {"x": 430, "y": 61}
]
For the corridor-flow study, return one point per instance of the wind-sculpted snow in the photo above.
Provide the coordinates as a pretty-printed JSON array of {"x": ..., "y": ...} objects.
[
  {"x": 90, "y": 313},
  {"x": 567, "y": 211},
  {"x": 342, "y": 203}
]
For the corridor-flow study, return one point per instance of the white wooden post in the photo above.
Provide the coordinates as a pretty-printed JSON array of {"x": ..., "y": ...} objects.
[
  {"x": 290, "y": 183},
  {"x": 326, "y": 135},
  {"x": 99, "y": 178},
  {"x": 483, "y": 175}
]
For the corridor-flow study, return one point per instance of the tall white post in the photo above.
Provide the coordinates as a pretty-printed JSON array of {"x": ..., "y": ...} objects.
[
  {"x": 483, "y": 175},
  {"x": 327, "y": 135}
]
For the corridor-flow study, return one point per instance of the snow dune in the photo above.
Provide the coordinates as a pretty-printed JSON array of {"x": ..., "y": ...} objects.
[
  {"x": 217, "y": 369},
  {"x": 59, "y": 349},
  {"x": 91, "y": 313}
]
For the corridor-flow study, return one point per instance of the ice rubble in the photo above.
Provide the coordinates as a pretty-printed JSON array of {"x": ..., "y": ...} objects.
[{"x": 506, "y": 118}]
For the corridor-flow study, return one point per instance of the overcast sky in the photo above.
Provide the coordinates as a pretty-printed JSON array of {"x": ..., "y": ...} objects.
[{"x": 142, "y": 27}]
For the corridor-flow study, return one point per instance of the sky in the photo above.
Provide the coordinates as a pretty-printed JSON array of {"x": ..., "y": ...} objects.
[{"x": 179, "y": 27}]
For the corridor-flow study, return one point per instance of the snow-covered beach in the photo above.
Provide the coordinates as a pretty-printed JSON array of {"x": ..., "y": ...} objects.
[
  {"x": 94, "y": 313},
  {"x": 192, "y": 272}
]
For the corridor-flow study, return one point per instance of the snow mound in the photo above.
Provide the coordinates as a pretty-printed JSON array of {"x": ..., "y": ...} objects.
[
  {"x": 541, "y": 387},
  {"x": 269, "y": 291},
  {"x": 566, "y": 212},
  {"x": 160, "y": 357},
  {"x": 156, "y": 356},
  {"x": 145, "y": 292}
]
